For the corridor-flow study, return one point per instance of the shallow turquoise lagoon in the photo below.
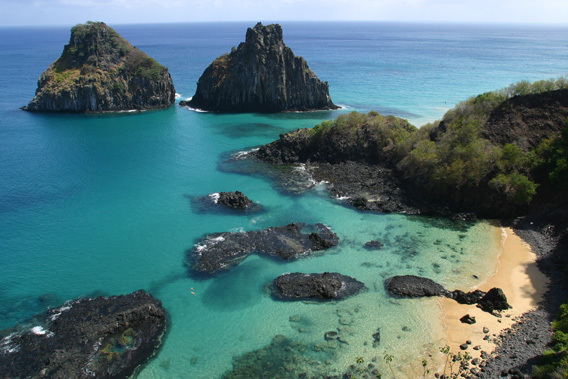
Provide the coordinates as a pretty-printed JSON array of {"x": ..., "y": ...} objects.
[{"x": 98, "y": 204}]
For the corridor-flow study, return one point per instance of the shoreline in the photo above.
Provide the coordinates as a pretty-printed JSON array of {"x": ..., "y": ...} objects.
[{"x": 518, "y": 275}]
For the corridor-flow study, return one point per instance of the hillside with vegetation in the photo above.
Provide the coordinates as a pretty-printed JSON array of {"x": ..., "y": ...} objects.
[
  {"x": 100, "y": 71},
  {"x": 489, "y": 155}
]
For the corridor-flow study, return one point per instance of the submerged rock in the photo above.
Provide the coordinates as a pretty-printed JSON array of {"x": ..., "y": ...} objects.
[
  {"x": 282, "y": 358},
  {"x": 261, "y": 75},
  {"x": 104, "y": 336},
  {"x": 221, "y": 251},
  {"x": 326, "y": 286},
  {"x": 373, "y": 245},
  {"x": 414, "y": 286},
  {"x": 100, "y": 71}
]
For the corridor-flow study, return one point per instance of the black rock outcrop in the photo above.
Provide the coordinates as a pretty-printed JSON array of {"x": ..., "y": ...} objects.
[
  {"x": 414, "y": 286},
  {"x": 493, "y": 301},
  {"x": 326, "y": 286},
  {"x": 261, "y": 75},
  {"x": 467, "y": 297},
  {"x": 101, "y": 337},
  {"x": 99, "y": 71},
  {"x": 235, "y": 200},
  {"x": 222, "y": 251}
]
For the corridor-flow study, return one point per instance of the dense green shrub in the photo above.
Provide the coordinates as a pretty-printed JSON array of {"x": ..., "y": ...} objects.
[
  {"x": 554, "y": 362},
  {"x": 551, "y": 159}
]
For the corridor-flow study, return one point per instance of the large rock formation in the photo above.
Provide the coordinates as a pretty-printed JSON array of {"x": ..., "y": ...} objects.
[
  {"x": 102, "y": 337},
  {"x": 261, "y": 75},
  {"x": 492, "y": 302},
  {"x": 221, "y": 251},
  {"x": 414, "y": 286},
  {"x": 326, "y": 286},
  {"x": 100, "y": 71}
]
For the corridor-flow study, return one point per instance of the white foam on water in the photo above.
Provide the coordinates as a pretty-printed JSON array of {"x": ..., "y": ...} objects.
[
  {"x": 59, "y": 312},
  {"x": 215, "y": 197},
  {"x": 40, "y": 331}
]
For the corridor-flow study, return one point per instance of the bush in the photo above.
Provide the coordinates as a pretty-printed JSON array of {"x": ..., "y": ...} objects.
[{"x": 516, "y": 187}]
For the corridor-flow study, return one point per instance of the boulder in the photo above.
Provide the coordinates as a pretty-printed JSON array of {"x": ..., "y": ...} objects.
[
  {"x": 99, "y": 71},
  {"x": 326, "y": 286},
  {"x": 261, "y": 75},
  {"x": 414, "y": 286},
  {"x": 101, "y": 337},
  {"x": 494, "y": 301},
  {"x": 220, "y": 252},
  {"x": 466, "y": 298},
  {"x": 467, "y": 319}
]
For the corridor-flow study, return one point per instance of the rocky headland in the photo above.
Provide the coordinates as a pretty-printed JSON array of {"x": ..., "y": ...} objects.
[
  {"x": 99, "y": 71},
  {"x": 220, "y": 252},
  {"x": 326, "y": 286},
  {"x": 385, "y": 164},
  {"x": 261, "y": 75},
  {"x": 101, "y": 337}
]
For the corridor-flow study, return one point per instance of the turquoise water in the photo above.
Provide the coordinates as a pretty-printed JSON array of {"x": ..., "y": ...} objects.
[{"x": 96, "y": 204}]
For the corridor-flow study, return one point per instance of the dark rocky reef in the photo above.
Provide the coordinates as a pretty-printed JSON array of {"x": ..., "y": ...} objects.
[
  {"x": 326, "y": 286},
  {"x": 99, "y": 71},
  {"x": 354, "y": 157},
  {"x": 526, "y": 120},
  {"x": 102, "y": 337},
  {"x": 493, "y": 301},
  {"x": 235, "y": 200},
  {"x": 261, "y": 75},
  {"x": 221, "y": 251}
]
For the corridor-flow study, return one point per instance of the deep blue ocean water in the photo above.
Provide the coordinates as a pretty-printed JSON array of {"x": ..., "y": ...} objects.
[{"x": 97, "y": 204}]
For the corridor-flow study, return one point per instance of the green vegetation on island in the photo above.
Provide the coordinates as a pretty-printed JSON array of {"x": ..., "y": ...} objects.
[
  {"x": 101, "y": 71},
  {"x": 554, "y": 362},
  {"x": 456, "y": 158}
]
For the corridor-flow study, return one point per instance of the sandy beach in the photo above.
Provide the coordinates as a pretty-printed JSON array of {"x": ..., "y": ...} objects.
[{"x": 521, "y": 281}]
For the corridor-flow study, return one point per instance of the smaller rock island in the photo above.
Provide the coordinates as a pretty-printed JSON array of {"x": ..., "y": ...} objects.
[
  {"x": 99, "y": 71},
  {"x": 326, "y": 286},
  {"x": 261, "y": 75}
]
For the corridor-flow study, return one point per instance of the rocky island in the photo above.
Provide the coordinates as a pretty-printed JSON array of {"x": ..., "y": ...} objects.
[
  {"x": 326, "y": 286},
  {"x": 220, "y": 252},
  {"x": 99, "y": 71},
  {"x": 104, "y": 336},
  {"x": 261, "y": 75}
]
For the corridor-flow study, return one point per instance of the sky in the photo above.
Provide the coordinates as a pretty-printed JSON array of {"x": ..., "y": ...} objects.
[{"x": 72, "y": 12}]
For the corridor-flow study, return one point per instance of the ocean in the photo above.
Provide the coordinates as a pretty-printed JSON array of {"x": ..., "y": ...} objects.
[{"x": 100, "y": 204}]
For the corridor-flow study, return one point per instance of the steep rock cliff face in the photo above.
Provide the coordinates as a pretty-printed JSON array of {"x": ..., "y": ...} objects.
[
  {"x": 100, "y": 71},
  {"x": 261, "y": 75}
]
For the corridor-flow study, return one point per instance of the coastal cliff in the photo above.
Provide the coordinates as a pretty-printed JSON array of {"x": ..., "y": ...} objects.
[
  {"x": 99, "y": 71},
  {"x": 261, "y": 75}
]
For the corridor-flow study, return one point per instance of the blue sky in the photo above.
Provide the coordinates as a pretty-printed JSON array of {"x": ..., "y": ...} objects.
[{"x": 71, "y": 12}]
